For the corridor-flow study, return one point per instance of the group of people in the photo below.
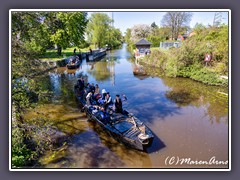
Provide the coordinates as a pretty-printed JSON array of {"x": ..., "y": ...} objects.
[
  {"x": 91, "y": 93},
  {"x": 73, "y": 60}
]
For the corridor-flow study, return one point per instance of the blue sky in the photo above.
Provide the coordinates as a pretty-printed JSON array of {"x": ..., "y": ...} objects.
[{"x": 124, "y": 20}]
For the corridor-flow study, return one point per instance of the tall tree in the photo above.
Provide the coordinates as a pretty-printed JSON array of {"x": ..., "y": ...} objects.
[
  {"x": 153, "y": 25},
  {"x": 114, "y": 37},
  {"x": 98, "y": 26},
  {"x": 177, "y": 21},
  {"x": 154, "y": 29},
  {"x": 140, "y": 31},
  {"x": 27, "y": 28},
  {"x": 27, "y": 35},
  {"x": 66, "y": 28}
]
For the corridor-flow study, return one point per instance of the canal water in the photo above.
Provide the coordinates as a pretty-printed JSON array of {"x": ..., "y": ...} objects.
[{"x": 189, "y": 119}]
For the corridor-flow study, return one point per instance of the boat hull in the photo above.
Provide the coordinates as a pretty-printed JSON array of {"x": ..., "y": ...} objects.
[
  {"x": 75, "y": 66},
  {"x": 129, "y": 137}
]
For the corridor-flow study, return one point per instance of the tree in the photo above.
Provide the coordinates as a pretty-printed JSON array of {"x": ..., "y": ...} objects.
[
  {"x": 28, "y": 29},
  {"x": 114, "y": 37},
  {"x": 98, "y": 26},
  {"x": 127, "y": 36},
  {"x": 140, "y": 31},
  {"x": 177, "y": 22},
  {"x": 66, "y": 28},
  {"x": 153, "y": 25}
]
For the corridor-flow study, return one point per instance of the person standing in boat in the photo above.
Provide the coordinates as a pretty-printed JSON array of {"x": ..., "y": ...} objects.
[
  {"x": 102, "y": 100},
  {"x": 88, "y": 88},
  {"x": 97, "y": 92},
  {"x": 108, "y": 100},
  {"x": 118, "y": 104},
  {"x": 89, "y": 98},
  {"x": 80, "y": 83},
  {"x": 104, "y": 93},
  {"x": 92, "y": 88}
]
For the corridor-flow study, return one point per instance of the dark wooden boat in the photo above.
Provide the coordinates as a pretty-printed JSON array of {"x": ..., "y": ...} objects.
[
  {"x": 74, "y": 65},
  {"x": 73, "y": 62},
  {"x": 97, "y": 54},
  {"x": 124, "y": 127}
]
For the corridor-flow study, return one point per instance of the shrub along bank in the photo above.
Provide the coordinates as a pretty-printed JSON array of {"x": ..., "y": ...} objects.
[{"x": 188, "y": 60}]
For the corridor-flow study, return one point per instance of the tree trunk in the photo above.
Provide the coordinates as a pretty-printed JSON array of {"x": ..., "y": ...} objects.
[{"x": 59, "y": 49}]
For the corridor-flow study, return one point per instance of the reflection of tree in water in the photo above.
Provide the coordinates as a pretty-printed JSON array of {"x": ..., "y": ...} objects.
[
  {"x": 100, "y": 72},
  {"x": 185, "y": 92},
  {"x": 188, "y": 92},
  {"x": 181, "y": 98},
  {"x": 60, "y": 86}
]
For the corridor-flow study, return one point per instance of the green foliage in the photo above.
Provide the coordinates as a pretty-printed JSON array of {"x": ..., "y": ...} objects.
[
  {"x": 27, "y": 44},
  {"x": 188, "y": 60},
  {"x": 156, "y": 59},
  {"x": 20, "y": 153},
  {"x": 27, "y": 27},
  {"x": 155, "y": 40},
  {"x": 66, "y": 28},
  {"x": 113, "y": 38},
  {"x": 98, "y": 26},
  {"x": 155, "y": 36},
  {"x": 128, "y": 40}
]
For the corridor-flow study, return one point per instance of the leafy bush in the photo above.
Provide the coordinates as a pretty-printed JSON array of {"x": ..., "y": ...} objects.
[{"x": 188, "y": 60}]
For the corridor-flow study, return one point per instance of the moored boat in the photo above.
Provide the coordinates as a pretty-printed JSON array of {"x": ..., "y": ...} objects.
[
  {"x": 124, "y": 127},
  {"x": 97, "y": 54},
  {"x": 73, "y": 62}
]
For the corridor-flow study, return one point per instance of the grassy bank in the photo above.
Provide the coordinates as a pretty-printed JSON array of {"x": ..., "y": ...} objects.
[
  {"x": 165, "y": 60},
  {"x": 52, "y": 54},
  {"x": 188, "y": 60}
]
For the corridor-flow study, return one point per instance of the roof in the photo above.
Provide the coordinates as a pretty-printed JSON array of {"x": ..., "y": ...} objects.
[{"x": 143, "y": 42}]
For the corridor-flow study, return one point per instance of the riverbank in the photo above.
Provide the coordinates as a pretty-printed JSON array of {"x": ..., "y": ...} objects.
[
  {"x": 53, "y": 56},
  {"x": 188, "y": 59},
  {"x": 197, "y": 71}
]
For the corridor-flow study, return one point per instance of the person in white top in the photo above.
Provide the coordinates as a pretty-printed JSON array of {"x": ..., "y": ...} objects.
[
  {"x": 108, "y": 100},
  {"x": 88, "y": 97}
]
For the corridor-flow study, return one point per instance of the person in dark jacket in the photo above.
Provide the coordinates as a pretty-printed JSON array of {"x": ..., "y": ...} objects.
[
  {"x": 118, "y": 104},
  {"x": 80, "y": 83},
  {"x": 92, "y": 88}
]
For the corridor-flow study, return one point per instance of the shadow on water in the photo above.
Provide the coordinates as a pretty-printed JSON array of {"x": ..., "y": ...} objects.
[
  {"x": 126, "y": 155},
  {"x": 157, "y": 145}
]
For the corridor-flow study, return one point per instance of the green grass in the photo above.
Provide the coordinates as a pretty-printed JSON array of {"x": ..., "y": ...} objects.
[
  {"x": 158, "y": 49},
  {"x": 154, "y": 48},
  {"x": 53, "y": 56}
]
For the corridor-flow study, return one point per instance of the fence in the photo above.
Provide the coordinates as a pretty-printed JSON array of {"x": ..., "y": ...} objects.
[{"x": 167, "y": 45}]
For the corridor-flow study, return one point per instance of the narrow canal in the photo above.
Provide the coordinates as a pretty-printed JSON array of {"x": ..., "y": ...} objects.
[{"x": 189, "y": 119}]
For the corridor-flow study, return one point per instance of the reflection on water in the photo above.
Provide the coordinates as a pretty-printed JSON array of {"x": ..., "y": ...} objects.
[{"x": 189, "y": 119}]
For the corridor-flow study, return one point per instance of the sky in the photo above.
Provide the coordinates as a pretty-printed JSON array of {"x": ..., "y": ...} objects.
[{"x": 124, "y": 20}]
